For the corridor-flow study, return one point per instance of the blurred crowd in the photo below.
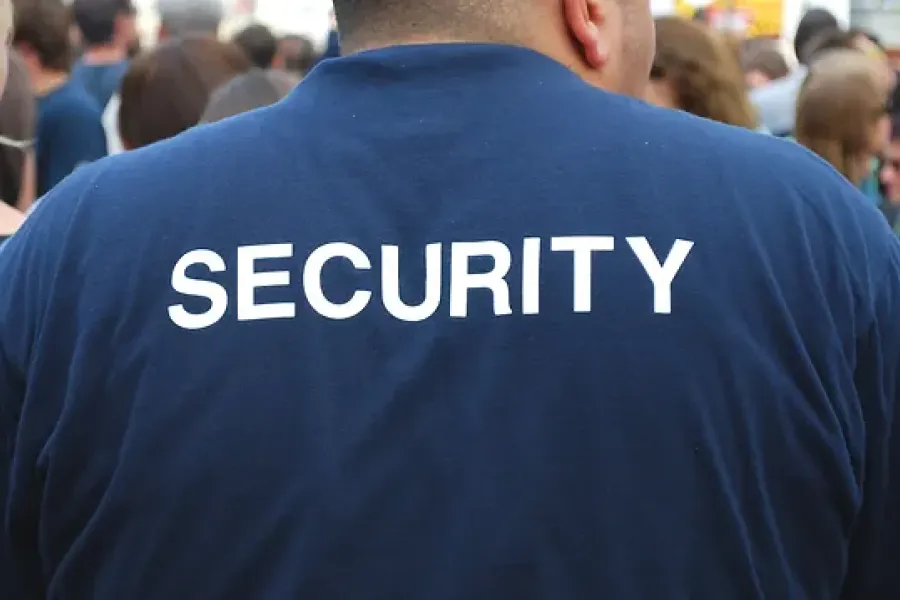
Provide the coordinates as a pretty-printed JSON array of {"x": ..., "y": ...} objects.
[{"x": 80, "y": 87}]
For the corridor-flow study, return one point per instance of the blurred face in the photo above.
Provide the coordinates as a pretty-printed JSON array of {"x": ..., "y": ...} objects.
[
  {"x": 890, "y": 172},
  {"x": 616, "y": 40}
]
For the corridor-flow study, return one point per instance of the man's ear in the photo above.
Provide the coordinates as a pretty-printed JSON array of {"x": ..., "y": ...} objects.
[{"x": 585, "y": 19}]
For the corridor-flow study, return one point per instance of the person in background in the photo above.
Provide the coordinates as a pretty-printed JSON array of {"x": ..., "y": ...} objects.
[
  {"x": 179, "y": 18},
  {"x": 254, "y": 89},
  {"x": 108, "y": 31},
  {"x": 695, "y": 72},
  {"x": 296, "y": 54},
  {"x": 889, "y": 176},
  {"x": 69, "y": 130},
  {"x": 10, "y": 218},
  {"x": 166, "y": 90},
  {"x": 842, "y": 113},
  {"x": 776, "y": 103},
  {"x": 18, "y": 113},
  {"x": 764, "y": 65},
  {"x": 259, "y": 44}
]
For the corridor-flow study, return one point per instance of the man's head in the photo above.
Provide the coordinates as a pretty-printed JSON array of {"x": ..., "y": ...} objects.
[
  {"x": 608, "y": 42},
  {"x": 41, "y": 35},
  {"x": 296, "y": 54},
  {"x": 813, "y": 24},
  {"x": 259, "y": 44},
  {"x": 105, "y": 22},
  {"x": 179, "y": 18}
]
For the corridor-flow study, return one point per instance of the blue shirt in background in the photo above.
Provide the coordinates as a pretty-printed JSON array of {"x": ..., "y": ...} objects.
[
  {"x": 69, "y": 134},
  {"x": 100, "y": 80},
  {"x": 510, "y": 338}
]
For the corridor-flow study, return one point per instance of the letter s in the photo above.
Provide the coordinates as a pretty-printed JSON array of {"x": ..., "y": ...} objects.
[{"x": 210, "y": 290}]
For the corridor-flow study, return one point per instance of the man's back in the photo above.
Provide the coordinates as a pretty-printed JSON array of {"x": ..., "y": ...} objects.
[{"x": 513, "y": 337}]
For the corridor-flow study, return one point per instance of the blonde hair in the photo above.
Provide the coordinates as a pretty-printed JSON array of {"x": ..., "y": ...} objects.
[
  {"x": 838, "y": 109},
  {"x": 703, "y": 71}
]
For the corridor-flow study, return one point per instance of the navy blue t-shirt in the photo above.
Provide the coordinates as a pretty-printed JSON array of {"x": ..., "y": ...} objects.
[
  {"x": 101, "y": 81},
  {"x": 69, "y": 134},
  {"x": 449, "y": 323}
]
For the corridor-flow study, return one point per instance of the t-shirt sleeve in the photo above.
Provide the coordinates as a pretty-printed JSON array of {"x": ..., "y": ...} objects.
[
  {"x": 75, "y": 141},
  {"x": 31, "y": 281},
  {"x": 874, "y": 563}
]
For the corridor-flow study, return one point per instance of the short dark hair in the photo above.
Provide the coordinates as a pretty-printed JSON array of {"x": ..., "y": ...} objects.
[
  {"x": 166, "y": 90},
  {"x": 259, "y": 44},
  {"x": 827, "y": 41},
  {"x": 96, "y": 19},
  {"x": 813, "y": 23},
  {"x": 361, "y": 18},
  {"x": 43, "y": 26},
  {"x": 299, "y": 54}
]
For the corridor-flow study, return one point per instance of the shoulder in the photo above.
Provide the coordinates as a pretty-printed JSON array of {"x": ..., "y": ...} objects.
[
  {"x": 76, "y": 101},
  {"x": 775, "y": 199}
]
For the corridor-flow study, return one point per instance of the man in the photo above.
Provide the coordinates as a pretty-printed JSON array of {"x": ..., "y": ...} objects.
[
  {"x": 454, "y": 320},
  {"x": 777, "y": 102},
  {"x": 108, "y": 30},
  {"x": 259, "y": 44},
  {"x": 69, "y": 132}
]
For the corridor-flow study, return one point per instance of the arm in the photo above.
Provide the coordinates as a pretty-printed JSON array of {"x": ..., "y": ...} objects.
[
  {"x": 873, "y": 571},
  {"x": 31, "y": 283}
]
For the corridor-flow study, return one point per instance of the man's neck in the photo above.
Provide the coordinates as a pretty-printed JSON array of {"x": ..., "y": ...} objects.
[
  {"x": 104, "y": 55},
  {"x": 48, "y": 81}
]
